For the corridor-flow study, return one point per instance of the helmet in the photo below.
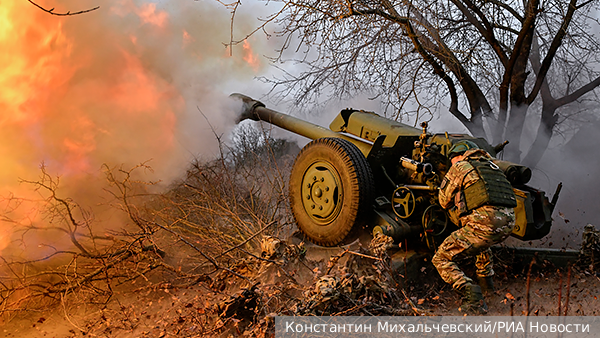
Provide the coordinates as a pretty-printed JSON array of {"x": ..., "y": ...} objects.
[{"x": 460, "y": 147}]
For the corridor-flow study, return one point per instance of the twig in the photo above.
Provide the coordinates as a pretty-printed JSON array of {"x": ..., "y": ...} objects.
[
  {"x": 270, "y": 261},
  {"x": 210, "y": 259},
  {"x": 247, "y": 240},
  {"x": 559, "y": 291},
  {"x": 335, "y": 259},
  {"x": 51, "y": 11},
  {"x": 62, "y": 298},
  {"x": 412, "y": 305},
  {"x": 363, "y": 255},
  {"x": 90, "y": 276},
  {"x": 355, "y": 307},
  {"x": 568, "y": 295},
  {"x": 528, "y": 286}
]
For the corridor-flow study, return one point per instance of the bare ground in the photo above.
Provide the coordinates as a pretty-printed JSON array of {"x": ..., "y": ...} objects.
[{"x": 227, "y": 306}]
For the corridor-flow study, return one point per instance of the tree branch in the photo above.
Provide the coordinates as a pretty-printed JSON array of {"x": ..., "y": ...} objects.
[
  {"x": 487, "y": 32},
  {"x": 578, "y": 93},
  {"x": 556, "y": 42},
  {"x": 528, "y": 23},
  {"x": 438, "y": 70},
  {"x": 51, "y": 11},
  {"x": 507, "y": 7}
]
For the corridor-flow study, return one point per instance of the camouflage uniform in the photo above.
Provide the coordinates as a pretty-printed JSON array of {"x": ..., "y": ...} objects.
[{"x": 480, "y": 229}]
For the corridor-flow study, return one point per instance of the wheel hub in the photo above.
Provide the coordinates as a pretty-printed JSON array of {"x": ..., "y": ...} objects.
[
  {"x": 403, "y": 202},
  {"x": 321, "y": 192}
]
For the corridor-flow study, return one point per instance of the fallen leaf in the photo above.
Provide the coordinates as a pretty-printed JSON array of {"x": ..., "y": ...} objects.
[
  {"x": 421, "y": 301},
  {"x": 509, "y": 296}
]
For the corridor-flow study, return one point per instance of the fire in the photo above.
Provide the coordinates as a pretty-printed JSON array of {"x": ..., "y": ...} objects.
[
  {"x": 74, "y": 99},
  {"x": 120, "y": 85},
  {"x": 29, "y": 78},
  {"x": 148, "y": 14},
  {"x": 250, "y": 57},
  {"x": 187, "y": 38}
]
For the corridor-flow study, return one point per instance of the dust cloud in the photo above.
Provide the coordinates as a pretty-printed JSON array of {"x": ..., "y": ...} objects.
[
  {"x": 131, "y": 82},
  {"x": 574, "y": 163}
]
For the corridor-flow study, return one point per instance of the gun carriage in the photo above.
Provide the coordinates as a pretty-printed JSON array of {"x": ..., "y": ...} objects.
[{"x": 367, "y": 173}]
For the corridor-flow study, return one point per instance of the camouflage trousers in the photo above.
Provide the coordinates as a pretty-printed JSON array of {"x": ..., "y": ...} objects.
[{"x": 482, "y": 228}]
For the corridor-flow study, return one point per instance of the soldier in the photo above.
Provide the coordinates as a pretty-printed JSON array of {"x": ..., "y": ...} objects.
[{"x": 480, "y": 200}]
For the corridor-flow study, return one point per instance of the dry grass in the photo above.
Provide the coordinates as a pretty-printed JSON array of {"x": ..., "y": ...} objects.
[{"x": 192, "y": 233}]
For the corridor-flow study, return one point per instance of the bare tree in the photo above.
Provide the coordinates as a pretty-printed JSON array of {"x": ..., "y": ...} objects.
[{"x": 490, "y": 63}]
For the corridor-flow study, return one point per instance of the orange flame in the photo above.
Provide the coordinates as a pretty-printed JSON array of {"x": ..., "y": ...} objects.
[
  {"x": 148, "y": 14},
  {"x": 112, "y": 86},
  {"x": 250, "y": 57},
  {"x": 75, "y": 100},
  {"x": 187, "y": 38}
]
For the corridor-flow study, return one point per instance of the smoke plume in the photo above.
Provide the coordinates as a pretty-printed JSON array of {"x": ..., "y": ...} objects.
[{"x": 122, "y": 85}]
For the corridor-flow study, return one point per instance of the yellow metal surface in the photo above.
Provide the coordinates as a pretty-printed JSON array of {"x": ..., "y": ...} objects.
[
  {"x": 307, "y": 129},
  {"x": 322, "y": 192},
  {"x": 369, "y": 126},
  {"x": 520, "y": 214},
  {"x": 403, "y": 202}
]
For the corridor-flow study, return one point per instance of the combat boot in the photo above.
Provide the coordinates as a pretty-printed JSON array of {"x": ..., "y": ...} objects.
[
  {"x": 472, "y": 302},
  {"x": 486, "y": 283}
]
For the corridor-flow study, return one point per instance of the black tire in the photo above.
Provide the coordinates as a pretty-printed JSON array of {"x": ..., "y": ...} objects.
[{"x": 331, "y": 187}]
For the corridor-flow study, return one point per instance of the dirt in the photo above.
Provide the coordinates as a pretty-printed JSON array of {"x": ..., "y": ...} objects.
[
  {"x": 510, "y": 297},
  {"x": 226, "y": 306}
]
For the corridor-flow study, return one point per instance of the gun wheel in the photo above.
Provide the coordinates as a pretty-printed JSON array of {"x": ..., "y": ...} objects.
[
  {"x": 403, "y": 202},
  {"x": 434, "y": 220},
  {"x": 330, "y": 187}
]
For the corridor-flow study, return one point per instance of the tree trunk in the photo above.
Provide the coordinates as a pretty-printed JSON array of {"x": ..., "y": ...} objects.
[
  {"x": 539, "y": 146},
  {"x": 514, "y": 130}
]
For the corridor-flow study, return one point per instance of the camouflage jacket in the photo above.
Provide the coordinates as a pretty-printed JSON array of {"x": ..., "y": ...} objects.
[{"x": 455, "y": 180}]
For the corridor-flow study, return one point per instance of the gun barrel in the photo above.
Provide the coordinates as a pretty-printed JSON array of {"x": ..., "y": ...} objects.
[
  {"x": 425, "y": 168},
  {"x": 256, "y": 110},
  {"x": 515, "y": 173}
]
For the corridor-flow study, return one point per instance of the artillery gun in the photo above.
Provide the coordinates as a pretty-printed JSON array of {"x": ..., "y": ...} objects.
[{"x": 370, "y": 174}]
